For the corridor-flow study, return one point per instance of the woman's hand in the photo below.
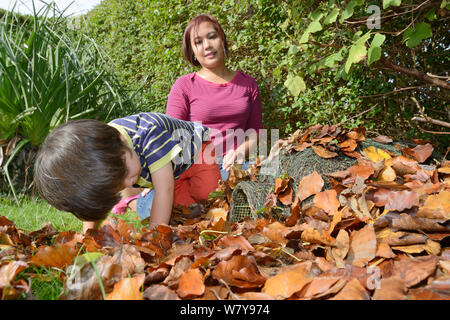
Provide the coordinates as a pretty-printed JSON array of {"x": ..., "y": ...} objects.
[{"x": 229, "y": 160}]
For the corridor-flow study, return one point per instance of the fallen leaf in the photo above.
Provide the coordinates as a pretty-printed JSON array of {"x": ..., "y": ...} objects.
[
  {"x": 159, "y": 292},
  {"x": 383, "y": 139},
  {"x": 363, "y": 246},
  {"x": 384, "y": 251},
  {"x": 127, "y": 289},
  {"x": 286, "y": 283},
  {"x": 390, "y": 289},
  {"x": 240, "y": 271},
  {"x": 58, "y": 256},
  {"x": 420, "y": 152},
  {"x": 436, "y": 206},
  {"x": 191, "y": 284},
  {"x": 310, "y": 185},
  {"x": 324, "y": 153},
  {"x": 235, "y": 241},
  {"x": 353, "y": 290},
  {"x": 342, "y": 246},
  {"x": 314, "y": 236},
  {"x": 327, "y": 200},
  {"x": 413, "y": 271}
]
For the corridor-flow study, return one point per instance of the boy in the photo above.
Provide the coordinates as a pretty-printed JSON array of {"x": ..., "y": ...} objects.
[{"x": 84, "y": 165}]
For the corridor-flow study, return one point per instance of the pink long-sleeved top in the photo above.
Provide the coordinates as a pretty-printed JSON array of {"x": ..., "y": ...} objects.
[{"x": 222, "y": 107}]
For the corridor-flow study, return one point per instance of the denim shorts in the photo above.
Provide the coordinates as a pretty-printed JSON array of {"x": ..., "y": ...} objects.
[
  {"x": 225, "y": 174},
  {"x": 144, "y": 204}
]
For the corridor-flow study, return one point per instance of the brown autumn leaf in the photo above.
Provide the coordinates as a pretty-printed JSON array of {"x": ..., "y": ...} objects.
[
  {"x": 436, "y": 206},
  {"x": 348, "y": 145},
  {"x": 342, "y": 245},
  {"x": 383, "y": 139},
  {"x": 390, "y": 289},
  {"x": 9, "y": 271},
  {"x": 384, "y": 251},
  {"x": 286, "y": 283},
  {"x": 127, "y": 289},
  {"x": 357, "y": 134},
  {"x": 403, "y": 165},
  {"x": 393, "y": 200},
  {"x": 191, "y": 284},
  {"x": 310, "y": 185},
  {"x": 327, "y": 200},
  {"x": 159, "y": 292},
  {"x": 419, "y": 152},
  {"x": 283, "y": 191},
  {"x": 363, "y": 246},
  {"x": 86, "y": 284},
  {"x": 413, "y": 271},
  {"x": 58, "y": 256},
  {"x": 314, "y": 236},
  {"x": 318, "y": 286},
  {"x": 324, "y": 153},
  {"x": 353, "y": 290},
  {"x": 364, "y": 169},
  {"x": 240, "y": 271},
  {"x": 240, "y": 242}
]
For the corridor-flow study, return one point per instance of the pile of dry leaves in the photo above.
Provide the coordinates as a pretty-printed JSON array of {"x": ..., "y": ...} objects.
[{"x": 381, "y": 232}]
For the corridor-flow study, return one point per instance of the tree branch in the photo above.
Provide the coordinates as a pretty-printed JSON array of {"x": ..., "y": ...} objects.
[{"x": 414, "y": 73}]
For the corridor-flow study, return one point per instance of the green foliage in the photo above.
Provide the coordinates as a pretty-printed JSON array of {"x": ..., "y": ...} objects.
[
  {"x": 268, "y": 39},
  {"x": 47, "y": 77}
]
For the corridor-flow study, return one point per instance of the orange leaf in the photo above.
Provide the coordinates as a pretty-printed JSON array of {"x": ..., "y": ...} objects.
[
  {"x": 383, "y": 139},
  {"x": 324, "y": 153},
  {"x": 436, "y": 206},
  {"x": 286, "y": 283},
  {"x": 327, "y": 200},
  {"x": 420, "y": 152},
  {"x": 363, "y": 246},
  {"x": 127, "y": 289},
  {"x": 314, "y": 236},
  {"x": 236, "y": 241},
  {"x": 353, "y": 290},
  {"x": 309, "y": 185},
  {"x": 58, "y": 256},
  {"x": 191, "y": 284},
  {"x": 413, "y": 271},
  {"x": 283, "y": 191},
  {"x": 240, "y": 271}
]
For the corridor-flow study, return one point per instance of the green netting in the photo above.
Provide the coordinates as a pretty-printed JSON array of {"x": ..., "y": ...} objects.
[{"x": 249, "y": 197}]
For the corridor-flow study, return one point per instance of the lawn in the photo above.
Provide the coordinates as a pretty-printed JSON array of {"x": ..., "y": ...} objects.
[{"x": 32, "y": 214}]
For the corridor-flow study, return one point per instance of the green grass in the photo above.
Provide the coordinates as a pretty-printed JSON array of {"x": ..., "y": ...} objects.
[{"x": 32, "y": 214}]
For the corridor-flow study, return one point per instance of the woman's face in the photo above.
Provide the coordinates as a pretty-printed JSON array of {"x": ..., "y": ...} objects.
[{"x": 207, "y": 45}]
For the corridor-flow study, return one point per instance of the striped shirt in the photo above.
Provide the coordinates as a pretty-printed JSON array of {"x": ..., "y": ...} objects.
[{"x": 159, "y": 139}]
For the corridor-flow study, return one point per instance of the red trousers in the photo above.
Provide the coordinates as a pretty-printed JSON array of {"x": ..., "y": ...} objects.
[{"x": 197, "y": 182}]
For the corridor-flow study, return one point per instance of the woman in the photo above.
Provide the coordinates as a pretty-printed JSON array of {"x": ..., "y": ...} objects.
[{"x": 225, "y": 100}]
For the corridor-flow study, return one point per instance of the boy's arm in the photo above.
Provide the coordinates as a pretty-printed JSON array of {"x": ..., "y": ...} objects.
[{"x": 163, "y": 183}]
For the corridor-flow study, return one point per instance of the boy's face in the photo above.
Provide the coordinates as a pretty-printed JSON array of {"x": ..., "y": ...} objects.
[{"x": 133, "y": 168}]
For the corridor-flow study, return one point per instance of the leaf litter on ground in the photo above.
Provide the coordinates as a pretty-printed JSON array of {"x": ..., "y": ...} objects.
[{"x": 382, "y": 231}]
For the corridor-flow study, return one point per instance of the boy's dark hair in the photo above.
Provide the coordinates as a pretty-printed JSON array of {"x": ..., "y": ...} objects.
[{"x": 80, "y": 168}]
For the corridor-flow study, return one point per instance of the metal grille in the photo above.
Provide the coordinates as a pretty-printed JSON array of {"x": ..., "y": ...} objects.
[{"x": 240, "y": 208}]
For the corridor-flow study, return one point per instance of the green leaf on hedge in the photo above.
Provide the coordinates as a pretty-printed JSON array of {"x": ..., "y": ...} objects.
[
  {"x": 414, "y": 37},
  {"x": 374, "y": 52},
  {"x": 331, "y": 18},
  {"x": 348, "y": 11},
  {"x": 393, "y": 3},
  {"x": 295, "y": 84},
  {"x": 357, "y": 52}
]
